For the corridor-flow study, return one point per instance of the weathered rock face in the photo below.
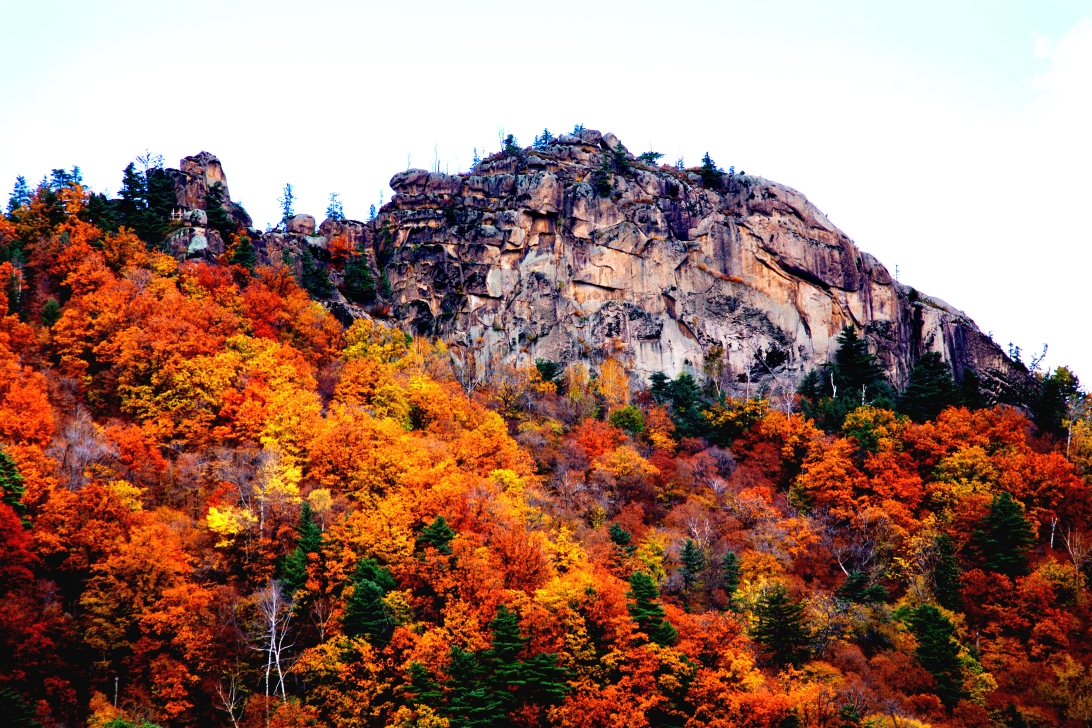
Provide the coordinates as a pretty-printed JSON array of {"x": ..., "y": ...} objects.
[
  {"x": 578, "y": 251},
  {"x": 541, "y": 255},
  {"x": 193, "y": 179}
]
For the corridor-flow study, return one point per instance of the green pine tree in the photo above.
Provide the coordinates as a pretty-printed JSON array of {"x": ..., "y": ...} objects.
[
  {"x": 1006, "y": 536},
  {"x": 12, "y": 486},
  {"x": 730, "y": 573},
  {"x": 471, "y": 703},
  {"x": 779, "y": 626},
  {"x": 937, "y": 652},
  {"x": 366, "y": 614},
  {"x": 244, "y": 254},
  {"x": 438, "y": 535},
  {"x": 646, "y": 610},
  {"x": 970, "y": 391},
  {"x": 710, "y": 175},
  {"x": 218, "y": 217},
  {"x": 315, "y": 279},
  {"x": 946, "y": 581},
  {"x": 51, "y": 313},
  {"x": 423, "y": 687},
  {"x": 294, "y": 566},
  {"x": 360, "y": 286},
  {"x": 853, "y": 378},
  {"x": 692, "y": 565},
  {"x": 856, "y": 589},
  {"x": 930, "y": 389},
  {"x": 686, "y": 400}
]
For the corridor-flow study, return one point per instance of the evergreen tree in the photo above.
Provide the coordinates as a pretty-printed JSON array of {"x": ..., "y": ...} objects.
[
  {"x": 730, "y": 573},
  {"x": 692, "y": 565},
  {"x": 487, "y": 686},
  {"x": 100, "y": 212},
  {"x": 511, "y": 145},
  {"x": 1006, "y": 536},
  {"x": 423, "y": 686},
  {"x": 930, "y": 389},
  {"x": 779, "y": 626},
  {"x": 359, "y": 282},
  {"x": 618, "y": 535},
  {"x": 366, "y": 614},
  {"x": 287, "y": 202},
  {"x": 12, "y": 486},
  {"x": 853, "y": 378},
  {"x": 946, "y": 582},
  {"x": 16, "y": 712},
  {"x": 51, "y": 313},
  {"x": 315, "y": 279},
  {"x": 471, "y": 703},
  {"x": 294, "y": 566},
  {"x": 854, "y": 366},
  {"x": 438, "y": 535},
  {"x": 244, "y": 254},
  {"x": 710, "y": 175},
  {"x": 856, "y": 589},
  {"x": 20, "y": 195},
  {"x": 601, "y": 179},
  {"x": 970, "y": 391},
  {"x": 132, "y": 199},
  {"x": 646, "y": 610},
  {"x": 937, "y": 652},
  {"x": 334, "y": 210},
  {"x": 1057, "y": 390},
  {"x": 550, "y": 371},
  {"x": 218, "y": 217},
  {"x": 686, "y": 400}
]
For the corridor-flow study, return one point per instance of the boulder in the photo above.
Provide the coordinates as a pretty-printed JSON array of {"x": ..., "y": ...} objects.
[{"x": 301, "y": 225}]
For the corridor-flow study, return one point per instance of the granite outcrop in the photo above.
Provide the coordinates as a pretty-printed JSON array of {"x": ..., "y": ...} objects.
[{"x": 576, "y": 250}]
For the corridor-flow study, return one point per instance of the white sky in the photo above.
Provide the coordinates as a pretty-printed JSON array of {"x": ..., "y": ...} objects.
[{"x": 951, "y": 139}]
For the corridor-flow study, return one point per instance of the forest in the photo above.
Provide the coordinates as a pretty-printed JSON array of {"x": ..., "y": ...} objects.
[{"x": 222, "y": 507}]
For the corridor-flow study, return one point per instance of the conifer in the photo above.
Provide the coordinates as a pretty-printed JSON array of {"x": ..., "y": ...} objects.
[
  {"x": 366, "y": 614},
  {"x": 937, "y": 652},
  {"x": 12, "y": 486},
  {"x": 1006, "y": 536},
  {"x": 779, "y": 626},
  {"x": 438, "y": 535},
  {"x": 946, "y": 583},
  {"x": 646, "y": 610},
  {"x": 930, "y": 389}
]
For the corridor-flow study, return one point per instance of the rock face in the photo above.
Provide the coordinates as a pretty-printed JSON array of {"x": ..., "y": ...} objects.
[
  {"x": 577, "y": 250},
  {"x": 193, "y": 179}
]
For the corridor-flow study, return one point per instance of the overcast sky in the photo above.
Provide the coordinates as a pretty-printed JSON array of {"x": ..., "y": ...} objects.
[{"x": 950, "y": 139}]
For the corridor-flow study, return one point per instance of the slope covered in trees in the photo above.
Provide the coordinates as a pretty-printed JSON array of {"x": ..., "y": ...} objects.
[{"x": 220, "y": 507}]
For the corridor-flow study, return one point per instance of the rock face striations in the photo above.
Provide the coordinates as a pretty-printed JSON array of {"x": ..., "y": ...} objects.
[{"x": 576, "y": 250}]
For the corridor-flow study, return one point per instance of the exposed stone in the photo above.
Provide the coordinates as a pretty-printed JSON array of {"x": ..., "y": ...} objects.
[
  {"x": 301, "y": 225},
  {"x": 524, "y": 259},
  {"x": 510, "y": 263}
]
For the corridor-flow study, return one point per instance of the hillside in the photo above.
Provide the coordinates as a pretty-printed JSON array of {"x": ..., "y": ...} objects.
[{"x": 479, "y": 462}]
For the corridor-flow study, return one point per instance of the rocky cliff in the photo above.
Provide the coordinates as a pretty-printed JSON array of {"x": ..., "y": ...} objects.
[{"x": 576, "y": 250}]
